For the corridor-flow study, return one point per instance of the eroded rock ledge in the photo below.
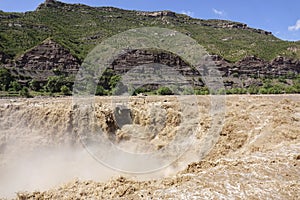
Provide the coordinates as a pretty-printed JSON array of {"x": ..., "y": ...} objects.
[{"x": 49, "y": 56}]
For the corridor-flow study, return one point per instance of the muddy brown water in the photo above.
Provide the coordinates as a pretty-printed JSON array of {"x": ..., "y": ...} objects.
[{"x": 256, "y": 156}]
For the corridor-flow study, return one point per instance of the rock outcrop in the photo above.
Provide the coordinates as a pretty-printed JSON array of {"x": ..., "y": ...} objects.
[
  {"x": 50, "y": 3},
  {"x": 245, "y": 73},
  {"x": 249, "y": 67},
  {"x": 49, "y": 55},
  {"x": 231, "y": 25},
  {"x": 241, "y": 26},
  {"x": 158, "y": 14},
  {"x": 141, "y": 57},
  {"x": 8, "y": 16},
  {"x": 253, "y": 66}
]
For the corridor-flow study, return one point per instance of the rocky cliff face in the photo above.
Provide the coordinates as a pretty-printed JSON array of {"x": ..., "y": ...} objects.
[
  {"x": 249, "y": 69},
  {"x": 248, "y": 66},
  {"x": 253, "y": 66},
  {"x": 48, "y": 56},
  {"x": 141, "y": 57}
]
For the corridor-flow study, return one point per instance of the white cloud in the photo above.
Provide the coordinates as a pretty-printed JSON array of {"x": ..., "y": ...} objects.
[
  {"x": 296, "y": 27},
  {"x": 189, "y": 13},
  {"x": 218, "y": 12}
]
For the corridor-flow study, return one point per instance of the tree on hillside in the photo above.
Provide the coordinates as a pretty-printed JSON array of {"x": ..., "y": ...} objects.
[
  {"x": 55, "y": 84},
  {"x": 25, "y": 92},
  {"x": 15, "y": 86},
  {"x": 65, "y": 90},
  {"x": 5, "y": 79},
  {"x": 35, "y": 85},
  {"x": 164, "y": 91}
]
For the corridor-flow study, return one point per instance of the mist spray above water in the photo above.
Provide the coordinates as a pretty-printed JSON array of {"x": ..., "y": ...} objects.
[{"x": 44, "y": 168}]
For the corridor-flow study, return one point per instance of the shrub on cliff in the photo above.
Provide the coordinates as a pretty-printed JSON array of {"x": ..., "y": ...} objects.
[
  {"x": 55, "y": 83},
  {"x": 25, "y": 92},
  {"x": 35, "y": 85},
  {"x": 164, "y": 91},
  {"x": 15, "y": 86},
  {"x": 5, "y": 79},
  {"x": 65, "y": 90}
]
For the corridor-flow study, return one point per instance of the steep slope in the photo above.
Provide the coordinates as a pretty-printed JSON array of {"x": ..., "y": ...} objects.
[{"x": 80, "y": 27}]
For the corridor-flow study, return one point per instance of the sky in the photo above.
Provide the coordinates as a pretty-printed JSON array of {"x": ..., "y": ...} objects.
[{"x": 281, "y": 17}]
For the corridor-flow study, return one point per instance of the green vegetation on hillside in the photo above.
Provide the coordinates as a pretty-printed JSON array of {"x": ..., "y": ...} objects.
[
  {"x": 80, "y": 28},
  {"x": 109, "y": 85}
]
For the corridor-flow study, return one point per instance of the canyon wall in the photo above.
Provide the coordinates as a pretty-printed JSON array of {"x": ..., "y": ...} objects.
[{"x": 48, "y": 57}]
